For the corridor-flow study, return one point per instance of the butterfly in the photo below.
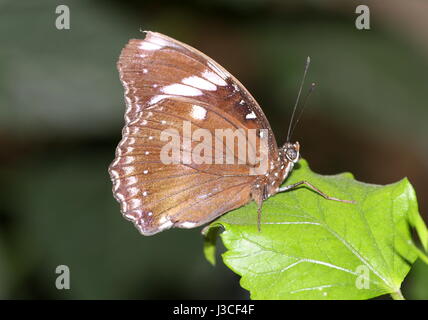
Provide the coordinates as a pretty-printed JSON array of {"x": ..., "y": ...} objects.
[{"x": 168, "y": 84}]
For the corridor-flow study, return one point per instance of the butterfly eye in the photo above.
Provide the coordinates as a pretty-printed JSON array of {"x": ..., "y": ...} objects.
[{"x": 291, "y": 154}]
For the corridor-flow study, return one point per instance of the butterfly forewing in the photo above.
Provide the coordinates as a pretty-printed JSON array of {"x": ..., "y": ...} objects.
[{"x": 168, "y": 83}]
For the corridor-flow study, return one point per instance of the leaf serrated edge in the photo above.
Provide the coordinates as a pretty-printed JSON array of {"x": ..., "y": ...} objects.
[{"x": 415, "y": 218}]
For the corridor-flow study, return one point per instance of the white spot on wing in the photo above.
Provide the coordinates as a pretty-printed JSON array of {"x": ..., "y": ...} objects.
[
  {"x": 157, "y": 98},
  {"x": 163, "y": 219},
  {"x": 135, "y": 203},
  {"x": 165, "y": 225},
  {"x": 251, "y": 115},
  {"x": 198, "y": 112},
  {"x": 187, "y": 224},
  {"x": 133, "y": 215},
  {"x": 161, "y": 41},
  {"x": 149, "y": 46},
  {"x": 128, "y": 170},
  {"x": 200, "y": 83},
  {"x": 132, "y": 192},
  {"x": 120, "y": 196},
  {"x": 214, "y": 78},
  {"x": 181, "y": 90},
  {"x": 131, "y": 180}
]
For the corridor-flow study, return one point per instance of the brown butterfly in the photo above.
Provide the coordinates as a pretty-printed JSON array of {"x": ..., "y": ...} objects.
[{"x": 168, "y": 83}]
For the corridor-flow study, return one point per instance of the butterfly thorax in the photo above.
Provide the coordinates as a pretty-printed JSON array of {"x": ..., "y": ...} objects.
[{"x": 268, "y": 184}]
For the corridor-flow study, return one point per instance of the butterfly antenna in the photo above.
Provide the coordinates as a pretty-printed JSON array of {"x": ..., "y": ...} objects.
[
  {"x": 311, "y": 89},
  {"x": 308, "y": 61}
]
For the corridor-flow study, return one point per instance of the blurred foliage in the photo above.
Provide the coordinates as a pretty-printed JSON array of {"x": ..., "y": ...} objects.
[
  {"x": 69, "y": 218},
  {"x": 61, "y": 113},
  {"x": 418, "y": 282}
]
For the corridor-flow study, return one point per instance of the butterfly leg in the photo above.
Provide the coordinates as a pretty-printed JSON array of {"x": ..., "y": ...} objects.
[
  {"x": 259, "y": 216},
  {"x": 259, "y": 196},
  {"x": 312, "y": 187}
]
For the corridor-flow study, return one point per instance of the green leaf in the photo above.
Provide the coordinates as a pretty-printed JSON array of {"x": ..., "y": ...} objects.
[
  {"x": 421, "y": 255},
  {"x": 313, "y": 248},
  {"x": 210, "y": 240},
  {"x": 417, "y": 221}
]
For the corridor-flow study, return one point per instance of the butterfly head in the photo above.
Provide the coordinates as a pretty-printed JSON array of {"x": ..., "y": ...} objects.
[{"x": 291, "y": 152}]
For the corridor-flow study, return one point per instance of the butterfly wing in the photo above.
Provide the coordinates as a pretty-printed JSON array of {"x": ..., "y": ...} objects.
[{"x": 168, "y": 83}]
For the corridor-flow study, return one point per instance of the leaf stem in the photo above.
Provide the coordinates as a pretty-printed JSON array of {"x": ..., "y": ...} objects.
[{"x": 397, "y": 295}]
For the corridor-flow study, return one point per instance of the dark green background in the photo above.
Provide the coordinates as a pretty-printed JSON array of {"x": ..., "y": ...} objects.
[{"x": 61, "y": 114}]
